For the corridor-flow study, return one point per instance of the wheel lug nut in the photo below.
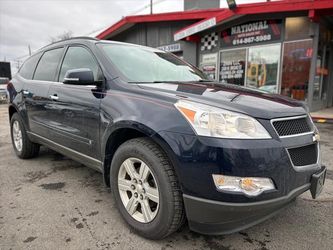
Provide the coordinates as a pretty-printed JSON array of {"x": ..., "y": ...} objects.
[
  {"x": 135, "y": 195},
  {"x": 133, "y": 187},
  {"x": 143, "y": 190},
  {"x": 141, "y": 197},
  {"x": 134, "y": 180},
  {"x": 140, "y": 182}
]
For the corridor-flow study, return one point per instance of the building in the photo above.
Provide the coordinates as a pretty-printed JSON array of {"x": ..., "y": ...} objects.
[
  {"x": 5, "y": 71},
  {"x": 282, "y": 46}
]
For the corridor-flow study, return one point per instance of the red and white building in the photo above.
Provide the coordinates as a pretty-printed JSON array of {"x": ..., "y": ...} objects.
[{"x": 282, "y": 46}]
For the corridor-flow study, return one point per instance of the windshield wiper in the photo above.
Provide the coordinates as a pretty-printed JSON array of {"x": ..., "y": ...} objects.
[{"x": 202, "y": 80}]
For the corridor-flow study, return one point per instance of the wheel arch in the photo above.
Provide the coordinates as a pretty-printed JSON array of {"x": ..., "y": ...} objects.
[
  {"x": 123, "y": 133},
  {"x": 11, "y": 110}
]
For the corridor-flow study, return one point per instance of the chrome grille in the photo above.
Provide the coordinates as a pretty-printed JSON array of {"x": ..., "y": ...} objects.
[
  {"x": 303, "y": 156},
  {"x": 292, "y": 126}
]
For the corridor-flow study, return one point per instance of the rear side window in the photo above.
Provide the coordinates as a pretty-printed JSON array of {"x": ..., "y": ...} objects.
[
  {"x": 76, "y": 58},
  {"x": 48, "y": 64},
  {"x": 28, "y": 68}
]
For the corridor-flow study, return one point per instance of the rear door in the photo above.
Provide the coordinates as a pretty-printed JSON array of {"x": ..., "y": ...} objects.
[
  {"x": 36, "y": 90},
  {"x": 75, "y": 109}
]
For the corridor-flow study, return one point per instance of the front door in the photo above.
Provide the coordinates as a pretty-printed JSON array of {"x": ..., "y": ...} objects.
[{"x": 74, "y": 108}]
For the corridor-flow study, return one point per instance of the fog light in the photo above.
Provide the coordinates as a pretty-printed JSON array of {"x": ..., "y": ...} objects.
[{"x": 250, "y": 186}]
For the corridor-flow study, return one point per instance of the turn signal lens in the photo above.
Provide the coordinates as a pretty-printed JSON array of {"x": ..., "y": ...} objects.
[{"x": 249, "y": 186}]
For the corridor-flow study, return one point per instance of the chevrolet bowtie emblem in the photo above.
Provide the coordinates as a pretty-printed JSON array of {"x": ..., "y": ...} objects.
[{"x": 316, "y": 137}]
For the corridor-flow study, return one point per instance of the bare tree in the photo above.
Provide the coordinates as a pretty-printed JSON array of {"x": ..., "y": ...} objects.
[{"x": 65, "y": 35}]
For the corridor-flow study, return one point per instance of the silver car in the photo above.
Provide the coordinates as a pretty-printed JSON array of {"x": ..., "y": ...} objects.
[{"x": 3, "y": 93}]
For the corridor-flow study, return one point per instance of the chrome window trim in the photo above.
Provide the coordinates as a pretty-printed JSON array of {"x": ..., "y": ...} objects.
[{"x": 292, "y": 118}]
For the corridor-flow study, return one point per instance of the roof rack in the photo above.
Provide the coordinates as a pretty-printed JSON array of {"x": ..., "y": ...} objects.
[{"x": 72, "y": 38}]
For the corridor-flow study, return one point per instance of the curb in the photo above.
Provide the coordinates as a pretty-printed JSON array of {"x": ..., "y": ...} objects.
[{"x": 322, "y": 120}]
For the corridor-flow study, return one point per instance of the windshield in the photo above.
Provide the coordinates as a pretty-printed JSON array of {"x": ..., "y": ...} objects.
[{"x": 139, "y": 64}]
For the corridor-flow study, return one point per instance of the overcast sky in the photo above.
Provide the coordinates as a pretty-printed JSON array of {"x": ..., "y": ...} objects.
[{"x": 34, "y": 22}]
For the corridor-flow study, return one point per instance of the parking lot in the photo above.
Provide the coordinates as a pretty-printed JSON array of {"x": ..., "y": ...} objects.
[{"x": 52, "y": 202}]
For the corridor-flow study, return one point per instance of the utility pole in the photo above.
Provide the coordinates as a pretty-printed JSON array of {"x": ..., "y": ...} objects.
[
  {"x": 151, "y": 7},
  {"x": 29, "y": 49}
]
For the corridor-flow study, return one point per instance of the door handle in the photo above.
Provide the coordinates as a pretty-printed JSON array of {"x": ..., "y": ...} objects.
[
  {"x": 26, "y": 92},
  {"x": 54, "y": 97}
]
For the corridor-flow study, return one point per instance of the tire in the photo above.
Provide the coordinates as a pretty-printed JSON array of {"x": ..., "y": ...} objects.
[
  {"x": 168, "y": 213},
  {"x": 27, "y": 149}
]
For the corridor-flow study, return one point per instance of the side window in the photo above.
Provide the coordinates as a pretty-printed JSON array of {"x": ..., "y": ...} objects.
[
  {"x": 78, "y": 57},
  {"x": 47, "y": 66},
  {"x": 28, "y": 68}
]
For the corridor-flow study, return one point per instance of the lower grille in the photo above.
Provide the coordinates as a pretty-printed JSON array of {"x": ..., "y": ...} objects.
[{"x": 303, "y": 156}]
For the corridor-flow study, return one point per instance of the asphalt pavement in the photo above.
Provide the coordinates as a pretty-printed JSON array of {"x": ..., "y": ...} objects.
[{"x": 52, "y": 202}]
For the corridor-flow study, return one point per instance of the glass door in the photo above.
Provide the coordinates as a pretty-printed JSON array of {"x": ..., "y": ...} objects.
[
  {"x": 263, "y": 67},
  {"x": 232, "y": 66},
  {"x": 296, "y": 69}
]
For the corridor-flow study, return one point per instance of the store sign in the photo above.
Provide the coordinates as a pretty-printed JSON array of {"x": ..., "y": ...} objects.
[
  {"x": 195, "y": 29},
  {"x": 252, "y": 33},
  {"x": 171, "y": 47},
  {"x": 232, "y": 72},
  {"x": 208, "y": 65},
  {"x": 232, "y": 66}
]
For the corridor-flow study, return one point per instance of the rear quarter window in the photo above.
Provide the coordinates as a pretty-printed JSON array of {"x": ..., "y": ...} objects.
[
  {"x": 48, "y": 64},
  {"x": 28, "y": 68}
]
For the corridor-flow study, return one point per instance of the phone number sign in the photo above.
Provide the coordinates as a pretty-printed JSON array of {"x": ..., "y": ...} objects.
[{"x": 252, "y": 33}]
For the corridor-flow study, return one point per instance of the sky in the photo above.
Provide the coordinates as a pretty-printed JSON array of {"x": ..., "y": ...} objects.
[{"x": 33, "y": 23}]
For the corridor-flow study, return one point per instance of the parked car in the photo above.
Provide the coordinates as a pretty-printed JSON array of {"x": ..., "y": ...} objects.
[
  {"x": 171, "y": 144},
  {"x": 3, "y": 89}
]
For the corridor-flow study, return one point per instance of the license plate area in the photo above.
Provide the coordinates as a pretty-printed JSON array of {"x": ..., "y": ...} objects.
[{"x": 317, "y": 182}]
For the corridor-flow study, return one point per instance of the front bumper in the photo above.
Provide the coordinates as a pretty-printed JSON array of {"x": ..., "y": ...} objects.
[
  {"x": 215, "y": 217},
  {"x": 197, "y": 158}
]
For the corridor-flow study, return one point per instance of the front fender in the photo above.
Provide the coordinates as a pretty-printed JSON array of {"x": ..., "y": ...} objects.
[{"x": 126, "y": 124}]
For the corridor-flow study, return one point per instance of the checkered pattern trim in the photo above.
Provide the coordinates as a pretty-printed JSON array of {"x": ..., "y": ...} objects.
[{"x": 209, "y": 41}]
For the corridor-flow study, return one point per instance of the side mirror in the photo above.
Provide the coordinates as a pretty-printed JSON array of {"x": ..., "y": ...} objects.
[{"x": 79, "y": 77}]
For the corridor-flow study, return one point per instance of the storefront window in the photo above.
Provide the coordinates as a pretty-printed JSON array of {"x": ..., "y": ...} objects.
[
  {"x": 321, "y": 78},
  {"x": 297, "y": 28},
  {"x": 263, "y": 67},
  {"x": 208, "y": 64},
  {"x": 296, "y": 68},
  {"x": 232, "y": 66}
]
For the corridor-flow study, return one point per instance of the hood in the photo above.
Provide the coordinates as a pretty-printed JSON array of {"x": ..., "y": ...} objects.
[{"x": 252, "y": 102}]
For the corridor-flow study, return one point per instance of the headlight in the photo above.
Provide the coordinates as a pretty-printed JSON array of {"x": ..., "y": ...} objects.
[
  {"x": 250, "y": 186},
  {"x": 210, "y": 121}
]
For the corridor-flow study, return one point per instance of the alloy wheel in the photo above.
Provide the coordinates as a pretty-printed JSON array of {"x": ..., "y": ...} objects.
[
  {"x": 17, "y": 136},
  {"x": 138, "y": 190}
]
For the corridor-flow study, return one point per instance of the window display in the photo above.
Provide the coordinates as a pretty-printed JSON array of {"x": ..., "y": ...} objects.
[
  {"x": 232, "y": 66},
  {"x": 208, "y": 65},
  {"x": 255, "y": 67},
  {"x": 263, "y": 67}
]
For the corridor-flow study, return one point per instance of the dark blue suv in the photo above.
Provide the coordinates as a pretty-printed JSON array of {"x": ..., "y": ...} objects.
[{"x": 172, "y": 144}]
